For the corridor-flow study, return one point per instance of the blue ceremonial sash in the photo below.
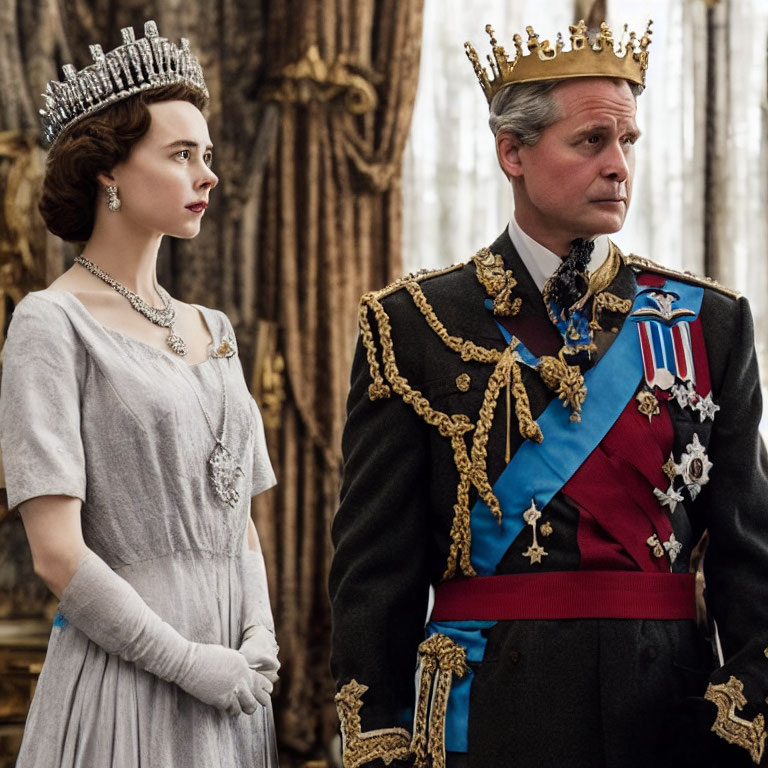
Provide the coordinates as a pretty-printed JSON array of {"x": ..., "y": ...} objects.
[
  {"x": 539, "y": 470},
  {"x": 469, "y": 635}
]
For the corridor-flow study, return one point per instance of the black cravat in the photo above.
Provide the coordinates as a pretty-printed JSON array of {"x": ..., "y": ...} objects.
[{"x": 569, "y": 283}]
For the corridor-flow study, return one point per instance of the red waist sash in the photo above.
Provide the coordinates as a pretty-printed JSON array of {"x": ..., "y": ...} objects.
[{"x": 567, "y": 595}]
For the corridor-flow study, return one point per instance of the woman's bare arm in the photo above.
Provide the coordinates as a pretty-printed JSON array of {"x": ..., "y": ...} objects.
[{"x": 55, "y": 535}]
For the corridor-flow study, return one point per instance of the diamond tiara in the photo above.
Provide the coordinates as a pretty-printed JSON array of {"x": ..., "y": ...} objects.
[
  {"x": 137, "y": 65},
  {"x": 599, "y": 57}
]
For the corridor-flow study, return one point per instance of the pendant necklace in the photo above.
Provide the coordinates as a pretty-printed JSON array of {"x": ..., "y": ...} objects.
[
  {"x": 223, "y": 469},
  {"x": 165, "y": 317}
]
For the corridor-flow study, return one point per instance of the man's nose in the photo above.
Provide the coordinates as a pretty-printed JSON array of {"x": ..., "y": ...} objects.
[{"x": 616, "y": 162}]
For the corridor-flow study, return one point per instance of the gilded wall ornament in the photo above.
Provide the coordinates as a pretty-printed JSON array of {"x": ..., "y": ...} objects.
[{"x": 311, "y": 79}]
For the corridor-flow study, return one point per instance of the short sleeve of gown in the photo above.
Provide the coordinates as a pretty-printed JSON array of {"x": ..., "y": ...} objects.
[
  {"x": 263, "y": 474},
  {"x": 43, "y": 369}
]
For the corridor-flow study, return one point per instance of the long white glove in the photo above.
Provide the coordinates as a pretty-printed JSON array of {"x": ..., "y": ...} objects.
[
  {"x": 258, "y": 642},
  {"x": 111, "y": 613}
]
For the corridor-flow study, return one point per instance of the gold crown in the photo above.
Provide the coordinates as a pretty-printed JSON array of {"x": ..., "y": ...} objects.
[{"x": 598, "y": 58}]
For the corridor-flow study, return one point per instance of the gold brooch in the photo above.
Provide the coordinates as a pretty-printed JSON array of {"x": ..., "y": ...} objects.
[
  {"x": 647, "y": 403},
  {"x": 226, "y": 348}
]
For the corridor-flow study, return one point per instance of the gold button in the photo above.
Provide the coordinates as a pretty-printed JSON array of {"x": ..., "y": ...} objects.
[{"x": 463, "y": 381}]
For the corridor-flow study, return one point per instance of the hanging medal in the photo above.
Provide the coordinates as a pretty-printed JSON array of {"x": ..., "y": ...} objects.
[{"x": 665, "y": 340}]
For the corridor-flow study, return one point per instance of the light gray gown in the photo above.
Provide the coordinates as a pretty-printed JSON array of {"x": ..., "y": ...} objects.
[{"x": 89, "y": 412}]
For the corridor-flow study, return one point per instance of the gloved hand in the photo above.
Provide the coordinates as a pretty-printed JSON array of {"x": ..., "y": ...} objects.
[
  {"x": 113, "y": 615},
  {"x": 222, "y": 677},
  {"x": 258, "y": 643},
  {"x": 260, "y": 651}
]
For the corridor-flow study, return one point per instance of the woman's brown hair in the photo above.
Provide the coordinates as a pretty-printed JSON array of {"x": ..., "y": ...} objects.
[{"x": 95, "y": 145}]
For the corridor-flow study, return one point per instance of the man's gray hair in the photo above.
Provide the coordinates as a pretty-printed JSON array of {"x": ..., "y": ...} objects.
[{"x": 526, "y": 109}]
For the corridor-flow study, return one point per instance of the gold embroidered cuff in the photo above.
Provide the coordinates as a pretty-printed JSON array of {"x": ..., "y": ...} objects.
[
  {"x": 359, "y": 746},
  {"x": 748, "y": 734}
]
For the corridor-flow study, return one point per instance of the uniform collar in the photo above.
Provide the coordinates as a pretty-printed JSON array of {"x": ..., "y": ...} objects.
[{"x": 540, "y": 262}]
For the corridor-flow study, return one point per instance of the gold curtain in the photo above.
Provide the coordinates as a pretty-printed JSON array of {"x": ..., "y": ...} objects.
[{"x": 344, "y": 75}]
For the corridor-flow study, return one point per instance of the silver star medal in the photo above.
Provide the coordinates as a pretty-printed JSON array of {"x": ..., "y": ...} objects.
[
  {"x": 673, "y": 547},
  {"x": 685, "y": 394},
  {"x": 669, "y": 499},
  {"x": 707, "y": 408},
  {"x": 694, "y": 467}
]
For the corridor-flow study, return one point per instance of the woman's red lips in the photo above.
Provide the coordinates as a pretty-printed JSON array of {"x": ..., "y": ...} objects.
[{"x": 197, "y": 207}]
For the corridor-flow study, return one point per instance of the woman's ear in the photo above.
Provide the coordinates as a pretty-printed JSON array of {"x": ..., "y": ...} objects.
[
  {"x": 106, "y": 180},
  {"x": 508, "y": 153}
]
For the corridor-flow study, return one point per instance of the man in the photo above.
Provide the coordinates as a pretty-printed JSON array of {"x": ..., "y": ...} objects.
[{"x": 543, "y": 435}]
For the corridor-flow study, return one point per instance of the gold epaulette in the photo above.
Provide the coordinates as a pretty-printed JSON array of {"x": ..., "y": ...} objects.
[
  {"x": 417, "y": 277},
  {"x": 640, "y": 264}
]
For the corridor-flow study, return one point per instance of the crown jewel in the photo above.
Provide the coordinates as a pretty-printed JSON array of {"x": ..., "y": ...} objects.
[
  {"x": 600, "y": 57},
  {"x": 137, "y": 65}
]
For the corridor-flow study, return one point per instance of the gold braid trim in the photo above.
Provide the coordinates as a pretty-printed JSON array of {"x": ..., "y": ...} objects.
[
  {"x": 453, "y": 427},
  {"x": 439, "y": 660},
  {"x": 646, "y": 265},
  {"x": 506, "y": 373},
  {"x": 610, "y": 302},
  {"x": 749, "y": 734},
  {"x": 461, "y": 532},
  {"x": 417, "y": 277},
  {"x": 497, "y": 281},
  {"x": 466, "y": 348},
  {"x": 360, "y": 747},
  {"x": 378, "y": 390},
  {"x": 565, "y": 380}
]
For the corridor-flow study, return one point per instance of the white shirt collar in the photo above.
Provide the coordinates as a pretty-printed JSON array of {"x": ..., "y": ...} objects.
[{"x": 540, "y": 262}]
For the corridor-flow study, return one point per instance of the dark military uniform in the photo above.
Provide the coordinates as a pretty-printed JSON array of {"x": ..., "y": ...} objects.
[{"x": 564, "y": 630}]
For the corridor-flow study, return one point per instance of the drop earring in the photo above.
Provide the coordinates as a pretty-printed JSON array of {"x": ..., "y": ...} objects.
[{"x": 113, "y": 201}]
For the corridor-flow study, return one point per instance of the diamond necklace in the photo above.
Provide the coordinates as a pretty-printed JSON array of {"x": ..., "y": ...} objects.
[
  {"x": 223, "y": 469},
  {"x": 165, "y": 317}
]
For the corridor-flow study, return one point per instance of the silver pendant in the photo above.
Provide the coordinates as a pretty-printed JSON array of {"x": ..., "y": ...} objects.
[
  {"x": 225, "y": 474},
  {"x": 177, "y": 344}
]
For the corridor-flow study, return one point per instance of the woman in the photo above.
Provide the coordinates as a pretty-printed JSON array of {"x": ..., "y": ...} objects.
[{"x": 132, "y": 445}]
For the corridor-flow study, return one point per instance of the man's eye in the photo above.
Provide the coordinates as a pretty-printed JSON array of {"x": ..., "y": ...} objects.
[{"x": 593, "y": 139}]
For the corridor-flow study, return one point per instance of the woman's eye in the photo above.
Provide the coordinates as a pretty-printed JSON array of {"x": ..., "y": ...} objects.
[
  {"x": 208, "y": 158},
  {"x": 184, "y": 154}
]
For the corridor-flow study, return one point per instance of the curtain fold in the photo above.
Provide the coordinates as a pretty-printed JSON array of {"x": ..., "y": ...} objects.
[{"x": 345, "y": 81}]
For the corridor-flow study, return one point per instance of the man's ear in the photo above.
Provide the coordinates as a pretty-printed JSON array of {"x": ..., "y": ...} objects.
[{"x": 508, "y": 153}]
